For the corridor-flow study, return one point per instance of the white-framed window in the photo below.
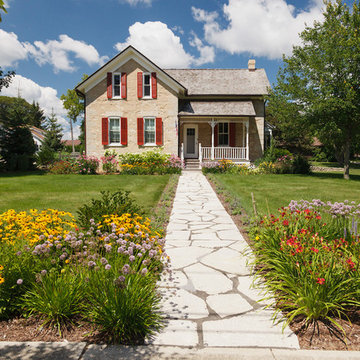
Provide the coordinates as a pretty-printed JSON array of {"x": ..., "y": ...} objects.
[
  {"x": 223, "y": 134},
  {"x": 149, "y": 131},
  {"x": 114, "y": 131},
  {"x": 116, "y": 85},
  {"x": 147, "y": 85}
]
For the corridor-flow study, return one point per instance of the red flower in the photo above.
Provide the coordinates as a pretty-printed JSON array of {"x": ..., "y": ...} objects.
[
  {"x": 350, "y": 263},
  {"x": 318, "y": 217},
  {"x": 320, "y": 281},
  {"x": 314, "y": 250},
  {"x": 285, "y": 222}
]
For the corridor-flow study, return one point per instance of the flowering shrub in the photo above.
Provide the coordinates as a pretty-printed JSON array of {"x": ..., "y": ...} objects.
[
  {"x": 114, "y": 265},
  {"x": 86, "y": 164},
  {"x": 150, "y": 162},
  {"x": 31, "y": 226},
  {"x": 109, "y": 162},
  {"x": 62, "y": 167},
  {"x": 82, "y": 165},
  {"x": 308, "y": 255}
]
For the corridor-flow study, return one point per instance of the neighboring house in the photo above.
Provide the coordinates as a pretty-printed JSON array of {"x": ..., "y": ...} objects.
[
  {"x": 38, "y": 136},
  {"x": 69, "y": 142},
  {"x": 132, "y": 105}
]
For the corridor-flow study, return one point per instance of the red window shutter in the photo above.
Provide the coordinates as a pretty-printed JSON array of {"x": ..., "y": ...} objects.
[
  {"x": 109, "y": 85},
  {"x": 123, "y": 131},
  {"x": 140, "y": 84},
  {"x": 123, "y": 85},
  {"x": 105, "y": 131},
  {"x": 216, "y": 135},
  {"x": 232, "y": 134},
  {"x": 153, "y": 85},
  {"x": 158, "y": 131},
  {"x": 140, "y": 131}
]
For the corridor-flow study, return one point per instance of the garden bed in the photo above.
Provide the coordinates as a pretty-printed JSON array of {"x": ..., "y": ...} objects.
[{"x": 324, "y": 335}]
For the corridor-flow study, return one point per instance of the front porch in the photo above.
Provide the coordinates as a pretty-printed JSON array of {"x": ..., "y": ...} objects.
[{"x": 215, "y": 139}]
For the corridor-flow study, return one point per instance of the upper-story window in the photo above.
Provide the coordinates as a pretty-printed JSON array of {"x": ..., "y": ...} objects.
[
  {"x": 147, "y": 85},
  {"x": 116, "y": 85},
  {"x": 223, "y": 134}
]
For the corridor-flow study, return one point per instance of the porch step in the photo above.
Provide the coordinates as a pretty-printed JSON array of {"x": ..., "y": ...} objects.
[{"x": 192, "y": 164}]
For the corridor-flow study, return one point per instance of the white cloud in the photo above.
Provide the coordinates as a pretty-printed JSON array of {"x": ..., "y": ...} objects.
[
  {"x": 136, "y": 2},
  {"x": 11, "y": 49},
  {"x": 45, "y": 96},
  {"x": 57, "y": 53},
  {"x": 156, "y": 41},
  {"x": 261, "y": 27},
  {"x": 207, "y": 53}
]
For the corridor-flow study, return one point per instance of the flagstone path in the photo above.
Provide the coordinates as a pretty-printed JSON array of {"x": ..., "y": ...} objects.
[{"x": 210, "y": 301}]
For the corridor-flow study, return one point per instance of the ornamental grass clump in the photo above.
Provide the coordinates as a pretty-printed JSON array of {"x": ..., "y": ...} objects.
[{"x": 308, "y": 255}]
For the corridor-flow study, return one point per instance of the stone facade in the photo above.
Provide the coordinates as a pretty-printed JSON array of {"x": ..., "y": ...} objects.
[{"x": 98, "y": 106}]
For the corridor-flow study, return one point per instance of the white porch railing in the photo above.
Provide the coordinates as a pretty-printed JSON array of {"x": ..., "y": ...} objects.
[{"x": 231, "y": 153}]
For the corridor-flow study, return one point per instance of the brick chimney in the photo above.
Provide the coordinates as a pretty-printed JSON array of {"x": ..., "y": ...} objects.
[{"x": 251, "y": 65}]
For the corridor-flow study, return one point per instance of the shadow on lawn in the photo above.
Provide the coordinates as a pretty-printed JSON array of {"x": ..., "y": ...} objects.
[
  {"x": 21, "y": 173},
  {"x": 333, "y": 175}
]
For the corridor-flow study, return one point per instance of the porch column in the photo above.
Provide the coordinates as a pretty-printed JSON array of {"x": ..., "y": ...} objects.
[
  {"x": 212, "y": 123},
  {"x": 247, "y": 139}
]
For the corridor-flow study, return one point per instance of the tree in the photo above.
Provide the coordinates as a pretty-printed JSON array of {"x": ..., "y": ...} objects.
[
  {"x": 17, "y": 144},
  {"x": 52, "y": 141},
  {"x": 5, "y": 79},
  {"x": 34, "y": 114},
  {"x": 2, "y": 8},
  {"x": 74, "y": 106},
  {"x": 318, "y": 84}
]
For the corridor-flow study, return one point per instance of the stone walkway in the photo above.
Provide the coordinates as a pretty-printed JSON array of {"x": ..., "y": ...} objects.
[{"x": 210, "y": 302}]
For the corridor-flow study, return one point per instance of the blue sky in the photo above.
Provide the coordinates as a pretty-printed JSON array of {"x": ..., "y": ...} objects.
[{"x": 51, "y": 43}]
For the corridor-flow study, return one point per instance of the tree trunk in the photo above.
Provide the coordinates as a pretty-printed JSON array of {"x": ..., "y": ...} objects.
[
  {"x": 347, "y": 160},
  {"x": 72, "y": 136}
]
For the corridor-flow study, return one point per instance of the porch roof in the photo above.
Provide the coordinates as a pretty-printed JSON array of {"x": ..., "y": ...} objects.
[{"x": 216, "y": 108}]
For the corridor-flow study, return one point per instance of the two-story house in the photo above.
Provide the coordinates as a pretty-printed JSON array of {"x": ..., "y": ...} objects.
[{"x": 132, "y": 105}]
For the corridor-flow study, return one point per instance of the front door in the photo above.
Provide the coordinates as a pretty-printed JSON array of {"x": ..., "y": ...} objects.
[{"x": 191, "y": 149}]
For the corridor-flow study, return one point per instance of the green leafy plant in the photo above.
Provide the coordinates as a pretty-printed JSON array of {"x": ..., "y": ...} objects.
[
  {"x": 56, "y": 298},
  {"x": 117, "y": 202},
  {"x": 125, "y": 310}
]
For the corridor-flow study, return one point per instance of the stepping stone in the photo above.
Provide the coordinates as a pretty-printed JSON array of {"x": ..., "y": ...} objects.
[
  {"x": 204, "y": 236},
  {"x": 209, "y": 280},
  {"x": 211, "y": 243},
  {"x": 177, "y": 243},
  {"x": 242, "y": 247},
  {"x": 234, "y": 235},
  {"x": 227, "y": 260},
  {"x": 177, "y": 333},
  {"x": 181, "y": 304},
  {"x": 248, "y": 330},
  {"x": 177, "y": 279},
  {"x": 228, "y": 304},
  {"x": 256, "y": 293},
  {"x": 185, "y": 256},
  {"x": 178, "y": 235}
]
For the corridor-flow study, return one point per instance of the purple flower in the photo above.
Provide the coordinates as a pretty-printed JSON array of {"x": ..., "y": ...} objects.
[
  {"x": 19, "y": 281},
  {"x": 103, "y": 261},
  {"x": 43, "y": 272},
  {"x": 91, "y": 264},
  {"x": 144, "y": 271},
  {"x": 126, "y": 269},
  {"x": 131, "y": 258},
  {"x": 121, "y": 278},
  {"x": 107, "y": 267}
]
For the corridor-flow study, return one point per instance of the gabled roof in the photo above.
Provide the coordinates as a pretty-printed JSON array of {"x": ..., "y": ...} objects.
[
  {"x": 38, "y": 133},
  {"x": 216, "y": 108},
  {"x": 120, "y": 59},
  {"x": 222, "y": 81}
]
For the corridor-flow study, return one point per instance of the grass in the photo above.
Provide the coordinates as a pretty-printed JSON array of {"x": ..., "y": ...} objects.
[
  {"x": 274, "y": 191},
  {"x": 23, "y": 191}
]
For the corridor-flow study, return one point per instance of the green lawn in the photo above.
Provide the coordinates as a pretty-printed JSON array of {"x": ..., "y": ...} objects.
[
  {"x": 278, "y": 190},
  {"x": 68, "y": 192}
]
